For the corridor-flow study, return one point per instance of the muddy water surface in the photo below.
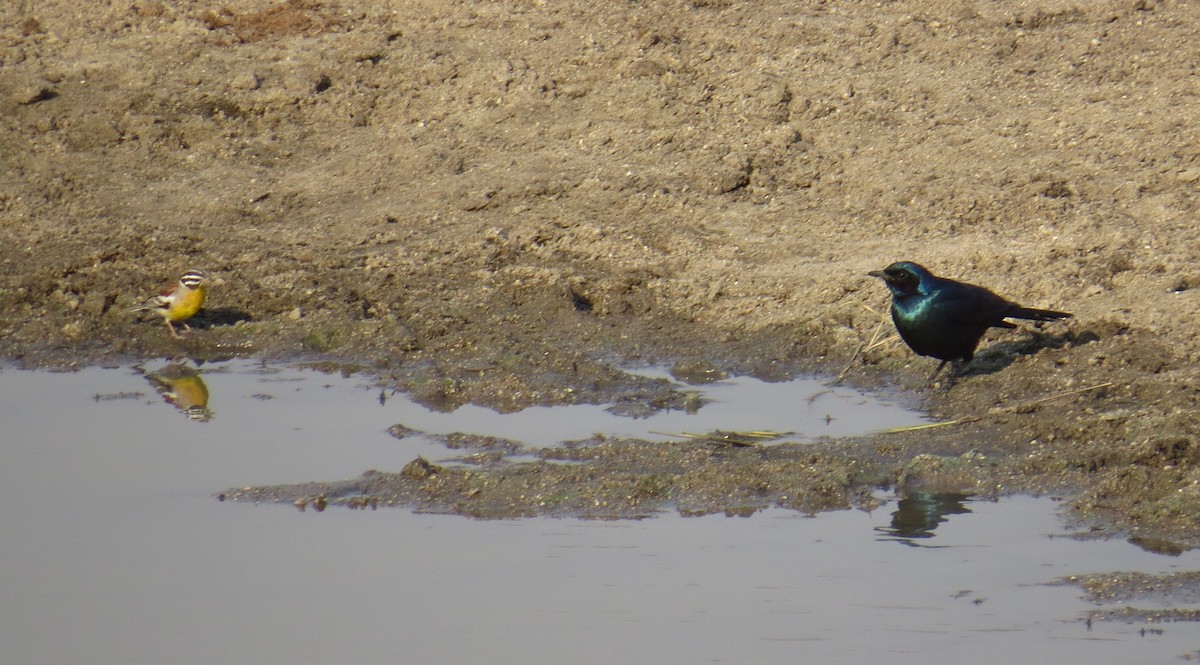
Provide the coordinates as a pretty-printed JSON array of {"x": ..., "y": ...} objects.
[
  {"x": 114, "y": 549},
  {"x": 803, "y": 408}
]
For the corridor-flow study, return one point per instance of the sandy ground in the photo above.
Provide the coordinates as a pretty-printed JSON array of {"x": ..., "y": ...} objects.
[{"x": 494, "y": 201}]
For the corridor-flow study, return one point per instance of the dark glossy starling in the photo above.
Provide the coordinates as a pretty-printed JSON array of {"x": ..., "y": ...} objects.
[{"x": 945, "y": 319}]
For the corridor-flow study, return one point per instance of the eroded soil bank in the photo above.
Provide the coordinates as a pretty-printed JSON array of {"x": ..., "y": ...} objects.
[{"x": 492, "y": 202}]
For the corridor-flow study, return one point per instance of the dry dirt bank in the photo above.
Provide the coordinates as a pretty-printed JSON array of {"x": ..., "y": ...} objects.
[{"x": 488, "y": 201}]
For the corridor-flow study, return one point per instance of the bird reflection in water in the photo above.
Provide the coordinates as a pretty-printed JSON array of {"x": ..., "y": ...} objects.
[
  {"x": 918, "y": 514},
  {"x": 181, "y": 386}
]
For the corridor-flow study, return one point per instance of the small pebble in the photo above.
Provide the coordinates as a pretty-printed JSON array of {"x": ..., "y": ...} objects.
[{"x": 246, "y": 81}]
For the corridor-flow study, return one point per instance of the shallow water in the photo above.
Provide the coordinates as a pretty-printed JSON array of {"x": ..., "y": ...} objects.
[
  {"x": 806, "y": 407},
  {"x": 115, "y": 551}
]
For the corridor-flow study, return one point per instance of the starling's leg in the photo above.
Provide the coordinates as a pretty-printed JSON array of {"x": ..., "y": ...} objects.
[
  {"x": 171, "y": 328},
  {"x": 936, "y": 372},
  {"x": 186, "y": 327},
  {"x": 956, "y": 370}
]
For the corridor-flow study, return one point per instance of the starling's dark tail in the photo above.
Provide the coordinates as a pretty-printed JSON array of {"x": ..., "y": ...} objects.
[{"x": 1037, "y": 314}]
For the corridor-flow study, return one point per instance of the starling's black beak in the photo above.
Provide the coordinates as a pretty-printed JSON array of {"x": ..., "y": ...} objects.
[{"x": 880, "y": 274}]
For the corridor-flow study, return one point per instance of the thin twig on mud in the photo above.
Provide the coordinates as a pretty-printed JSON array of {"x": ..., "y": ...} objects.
[
  {"x": 861, "y": 347},
  {"x": 740, "y": 439},
  {"x": 941, "y": 423},
  {"x": 1026, "y": 405},
  {"x": 1015, "y": 408}
]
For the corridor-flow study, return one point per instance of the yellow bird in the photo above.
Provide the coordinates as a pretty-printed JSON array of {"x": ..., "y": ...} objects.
[{"x": 179, "y": 303}]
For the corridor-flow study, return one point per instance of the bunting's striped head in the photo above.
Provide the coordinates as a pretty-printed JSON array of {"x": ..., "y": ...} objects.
[{"x": 193, "y": 279}]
